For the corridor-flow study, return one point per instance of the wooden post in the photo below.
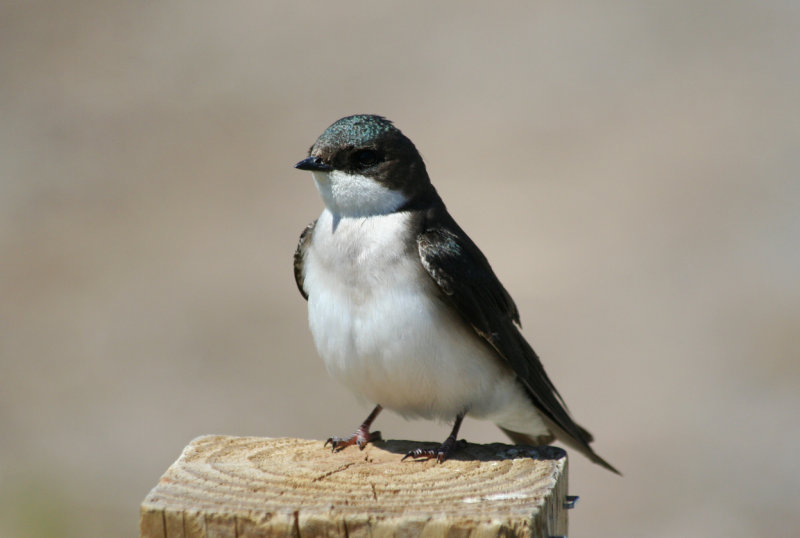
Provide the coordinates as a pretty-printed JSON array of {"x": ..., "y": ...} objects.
[{"x": 257, "y": 487}]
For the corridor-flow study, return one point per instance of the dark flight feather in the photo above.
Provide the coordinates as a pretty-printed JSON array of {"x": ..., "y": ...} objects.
[
  {"x": 299, "y": 257},
  {"x": 467, "y": 281}
]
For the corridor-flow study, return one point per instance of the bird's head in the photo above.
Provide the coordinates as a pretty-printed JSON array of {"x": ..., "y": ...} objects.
[{"x": 363, "y": 165}]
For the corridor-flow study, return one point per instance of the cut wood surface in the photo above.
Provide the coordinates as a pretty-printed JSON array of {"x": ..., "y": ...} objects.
[{"x": 252, "y": 487}]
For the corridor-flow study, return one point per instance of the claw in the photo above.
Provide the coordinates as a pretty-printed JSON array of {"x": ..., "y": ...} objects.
[
  {"x": 441, "y": 453},
  {"x": 449, "y": 446},
  {"x": 359, "y": 438},
  {"x": 334, "y": 442}
]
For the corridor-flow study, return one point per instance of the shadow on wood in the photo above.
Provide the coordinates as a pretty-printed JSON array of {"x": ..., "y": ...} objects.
[{"x": 258, "y": 487}]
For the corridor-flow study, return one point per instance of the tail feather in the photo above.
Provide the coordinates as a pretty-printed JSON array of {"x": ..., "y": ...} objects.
[{"x": 581, "y": 445}]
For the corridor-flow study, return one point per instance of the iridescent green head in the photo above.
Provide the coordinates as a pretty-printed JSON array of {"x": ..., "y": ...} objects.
[
  {"x": 371, "y": 147},
  {"x": 358, "y": 131}
]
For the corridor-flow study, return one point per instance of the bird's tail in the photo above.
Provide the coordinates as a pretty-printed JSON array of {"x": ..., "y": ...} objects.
[{"x": 520, "y": 438}]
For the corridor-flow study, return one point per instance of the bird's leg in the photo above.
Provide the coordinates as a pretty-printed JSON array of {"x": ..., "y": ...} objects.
[
  {"x": 444, "y": 450},
  {"x": 361, "y": 437}
]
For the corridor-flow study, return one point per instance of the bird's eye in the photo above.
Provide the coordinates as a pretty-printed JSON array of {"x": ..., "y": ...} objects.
[{"x": 366, "y": 157}]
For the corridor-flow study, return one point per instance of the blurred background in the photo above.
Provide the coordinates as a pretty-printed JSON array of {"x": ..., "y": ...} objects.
[{"x": 630, "y": 169}]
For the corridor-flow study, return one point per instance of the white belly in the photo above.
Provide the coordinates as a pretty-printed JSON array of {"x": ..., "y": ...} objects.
[{"x": 381, "y": 330}]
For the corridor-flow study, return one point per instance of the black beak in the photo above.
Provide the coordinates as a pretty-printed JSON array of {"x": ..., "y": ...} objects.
[{"x": 314, "y": 164}]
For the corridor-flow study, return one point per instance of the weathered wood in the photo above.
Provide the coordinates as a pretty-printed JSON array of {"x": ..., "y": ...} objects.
[{"x": 257, "y": 487}]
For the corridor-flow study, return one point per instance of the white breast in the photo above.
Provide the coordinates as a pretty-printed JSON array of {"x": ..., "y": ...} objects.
[{"x": 381, "y": 330}]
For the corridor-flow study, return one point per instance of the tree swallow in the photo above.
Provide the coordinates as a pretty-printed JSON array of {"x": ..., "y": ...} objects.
[{"x": 404, "y": 308}]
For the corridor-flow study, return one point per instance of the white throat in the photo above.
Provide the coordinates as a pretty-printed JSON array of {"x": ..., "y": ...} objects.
[{"x": 354, "y": 195}]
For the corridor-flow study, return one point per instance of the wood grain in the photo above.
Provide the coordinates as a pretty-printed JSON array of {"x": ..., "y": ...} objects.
[{"x": 258, "y": 487}]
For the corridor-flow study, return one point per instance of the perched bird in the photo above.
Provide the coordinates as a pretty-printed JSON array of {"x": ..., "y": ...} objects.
[{"x": 404, "y": 308}]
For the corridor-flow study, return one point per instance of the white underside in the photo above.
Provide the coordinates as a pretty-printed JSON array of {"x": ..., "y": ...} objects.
[{"x": 381, "y": 331}]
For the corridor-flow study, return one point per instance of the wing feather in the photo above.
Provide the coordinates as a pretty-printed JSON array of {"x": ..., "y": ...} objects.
[
  {"x": 466, "y": 279},
  {"x": 300, "y": 256}
]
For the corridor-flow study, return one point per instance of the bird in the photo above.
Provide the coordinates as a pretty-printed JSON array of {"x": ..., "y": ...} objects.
[{"x": 403, "y": 307}]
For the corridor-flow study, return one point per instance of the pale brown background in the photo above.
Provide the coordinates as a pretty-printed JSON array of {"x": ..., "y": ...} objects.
[{"x": 630, "y": 169}]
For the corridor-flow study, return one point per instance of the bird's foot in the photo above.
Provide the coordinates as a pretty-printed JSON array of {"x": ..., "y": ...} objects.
[
  {"x": 441, "y": 453},
  {"x": 361, "y": 437}
]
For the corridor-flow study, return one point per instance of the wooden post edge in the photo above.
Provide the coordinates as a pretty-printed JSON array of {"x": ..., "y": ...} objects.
[{"x": 260, "y": 487}]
